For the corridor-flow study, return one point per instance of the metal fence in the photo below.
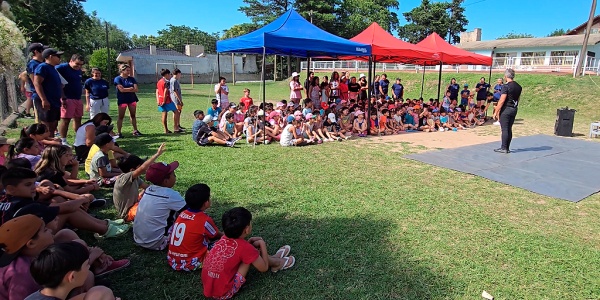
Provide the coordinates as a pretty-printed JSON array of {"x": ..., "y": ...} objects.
[{"x": 564, "y": 64}]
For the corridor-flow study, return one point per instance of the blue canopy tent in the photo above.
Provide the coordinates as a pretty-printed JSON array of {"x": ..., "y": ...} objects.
[{"x": 291, "y": 34}]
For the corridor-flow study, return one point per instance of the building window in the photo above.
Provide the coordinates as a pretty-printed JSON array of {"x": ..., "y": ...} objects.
[
  {"x": 533, "y": 58},
  {"x": 504, "y": 58}
]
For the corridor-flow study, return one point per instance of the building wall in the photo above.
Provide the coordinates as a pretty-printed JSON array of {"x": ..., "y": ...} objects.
[{"x": 204, "y": 68}]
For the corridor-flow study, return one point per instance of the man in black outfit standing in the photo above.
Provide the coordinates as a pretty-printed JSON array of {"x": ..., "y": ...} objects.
[{"x": 506, "y": 110}]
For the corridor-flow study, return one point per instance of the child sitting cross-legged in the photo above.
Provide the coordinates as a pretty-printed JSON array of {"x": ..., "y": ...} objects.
[
  {"x": 204, "y": 135},
  {"x": 100, "y": 168},
  {"x": 158, "y": 207},
  {"x": 61, "y": 268},
  {"x": 227, "y": 263},
  {"x": 193, "y": 231},
  {"x": 126, "y": 193}
]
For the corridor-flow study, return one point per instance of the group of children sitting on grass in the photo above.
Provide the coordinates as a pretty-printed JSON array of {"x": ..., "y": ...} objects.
[
  {"x": 43, "y": 201},
  {"x": 294, "y": 125}
]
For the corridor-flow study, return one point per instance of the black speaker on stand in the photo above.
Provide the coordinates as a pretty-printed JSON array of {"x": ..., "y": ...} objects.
[{"x": 564, "y": 122}]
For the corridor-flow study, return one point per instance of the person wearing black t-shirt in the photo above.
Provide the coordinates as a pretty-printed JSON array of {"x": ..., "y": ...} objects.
[
  {"x": 482, "y": 89},
  {"x": 507, "y": 107}
]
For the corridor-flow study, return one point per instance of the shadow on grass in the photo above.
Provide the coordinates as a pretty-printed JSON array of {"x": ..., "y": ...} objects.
[{"x": 336, "y": 258}]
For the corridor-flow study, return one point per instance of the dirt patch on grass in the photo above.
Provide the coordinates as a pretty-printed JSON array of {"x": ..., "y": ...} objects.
[{"x": 433, "y": 140}]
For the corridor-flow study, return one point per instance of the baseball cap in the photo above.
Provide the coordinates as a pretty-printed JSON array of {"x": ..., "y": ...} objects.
[
  {"x": 295, "y": 74},
  {"x": 5, "y": 141},
  {"x": 232, "y": 105},
  {"x": 103, "y": 139},
  {"x": 50, "y": 51},
  {"x": 290, "y": 119},
  {"x": 14, "y": 235},
  {"x": 331, "y": 117},
  {"x": 309, "y": 116},
  {"x": 103, "y": 129},
  {"x": 207, "y": 119},
  {"x": 273, "y": 114},
  {"x": 261, "y": 113},
  {"x": 358, "y": 112},
  {"x": 466, "y": 85},
  {"x": 37, "y": 46},
  {"x": 47, "y": 213},
  {"x": 297, "y": 113},
  {"x": 157, "y": 172},
  {"x": 280, "y": 104},
  {"x": 362, "y": 75},
  {"x": 458, "y": 109},
  {"x": 417, "y": 107},
  {"x": 291, "y": 104}
]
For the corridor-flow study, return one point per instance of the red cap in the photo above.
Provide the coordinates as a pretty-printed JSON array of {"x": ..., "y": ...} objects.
[{"x": 157, "y": 172}]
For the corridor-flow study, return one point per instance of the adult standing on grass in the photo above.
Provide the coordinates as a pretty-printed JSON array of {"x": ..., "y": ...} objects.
[
  {"x": 36, "y": 50},
  {"x": 222, "y": 93},
  {"x": 175, "y": 90},
  {"x": 96, "y": 94},
  {"x": 295, "y": 89},
  {"x": 72, "y": 107},
  {"x": 126, "y": 98},
  {"x": 48, "y": 89},
  {"x": 454, "y": 88},
  {"x": 506, "y": 110},
  {"x": 482, "y": 89}
]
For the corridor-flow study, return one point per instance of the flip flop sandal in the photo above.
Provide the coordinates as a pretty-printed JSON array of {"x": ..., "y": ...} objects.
[
  {"x": 283, "y": 251},
  {"x": 286, "y": 264}
]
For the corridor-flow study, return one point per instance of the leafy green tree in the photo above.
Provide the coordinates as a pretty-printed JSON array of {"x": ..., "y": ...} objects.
[
  {"x": 262, "y": 12},
  {"x": 238, "y": 30},
  {"x": 356, "y": 15},
  {"x": 98, "y": 59},
  {"x": 558, "y": 32},
  {"x": 52, "y": 22},
  {"x": 439, "y": 17},
  {"x": 322, "y": 12},
  {"x": 13, "y": 42},
  {"x": 513, "y": 35},
  {"x": 176, "y": 37}
]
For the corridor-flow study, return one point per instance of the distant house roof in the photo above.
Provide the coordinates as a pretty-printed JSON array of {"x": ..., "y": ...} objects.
[
  {"x": 555, "y": 41},
  {"x": 582, "y": 26},
  {"x": 146, "y": 51}
]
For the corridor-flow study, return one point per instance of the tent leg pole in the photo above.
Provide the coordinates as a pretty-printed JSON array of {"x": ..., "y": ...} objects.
[
  {"x": 307, "y": 74},
  {"x": 491, "y": 66},
  {"x": 264, "y": 93},
  {"x": 439, "y": 81},
  {"x": 368, "y": 112},
  {"x": 219, "y": 71},
  {"x": 423, "y": 81}
]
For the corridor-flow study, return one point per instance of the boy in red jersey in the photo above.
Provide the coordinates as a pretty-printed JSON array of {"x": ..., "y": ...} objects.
[
  {"x": 163, "y": 97},
  {"x": 227, "y": 263},
  {"x": 193, "y": 231}
]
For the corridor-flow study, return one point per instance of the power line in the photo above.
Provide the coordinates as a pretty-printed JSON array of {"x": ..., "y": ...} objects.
[{"x": 475, "y": 2}]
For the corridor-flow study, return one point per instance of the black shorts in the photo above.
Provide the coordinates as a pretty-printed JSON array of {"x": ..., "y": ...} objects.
[
  {"x": 49, "y": 116},
  {"x": 203, "y": 142},
  {"x": 81, "y": 152}
]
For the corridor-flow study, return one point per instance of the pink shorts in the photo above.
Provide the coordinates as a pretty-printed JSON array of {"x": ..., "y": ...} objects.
[
  {"x": 124, "y": 105},
  {"x": 238, "y": 281},
  {"x": 71, "y": 108}
]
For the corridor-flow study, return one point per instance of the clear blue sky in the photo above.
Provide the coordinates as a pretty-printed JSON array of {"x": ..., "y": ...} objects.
[{"x": 494, "y": 17}]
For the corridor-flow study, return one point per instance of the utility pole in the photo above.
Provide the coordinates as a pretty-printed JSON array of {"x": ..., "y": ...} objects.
[
  {"x": 107, "y": 51},
  {"x": 450, "y": 26},
  {"x": 583, "y": 52}
]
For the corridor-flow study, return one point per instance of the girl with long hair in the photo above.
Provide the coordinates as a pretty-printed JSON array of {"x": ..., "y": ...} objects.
[{"x": 52, "y": 167}]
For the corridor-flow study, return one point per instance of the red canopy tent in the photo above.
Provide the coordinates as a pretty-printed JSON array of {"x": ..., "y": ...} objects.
[
  {"x": 450, "y": 55},
  {"x": 386, "y": 48}
]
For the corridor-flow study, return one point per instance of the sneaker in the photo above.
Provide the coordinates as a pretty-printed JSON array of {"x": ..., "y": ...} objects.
[
  {"x": 116, "y": 222},
  {"x": 179, "y": 130},
  {"x": 319, "y": 141},
  {"x": 347, "y": 137},
  {"x": 116, "y": 265},
  {"x": 120, "y": 135},
  {"x": 441, "y": 129},
  {"x": 497, "y": 123},
  {"x": 28, "y": 116},
  {"x": 266, "y": 142},
  {"x": 65, "y": 143},
  {"x": 182, "y": 128},
  {"x": 97, "y": 203},
  {"x": 113, "y": 231},
  {"x": 339, "y": 139},
  {"x": 137, "y": 133}
]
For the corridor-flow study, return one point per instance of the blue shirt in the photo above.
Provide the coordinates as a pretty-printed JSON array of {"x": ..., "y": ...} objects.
[
  {"x": 98, "y": 88},
  {"x": 408, "y": 119},
  {"x": 214, "y": 113},
  {"x": 453, "y": 88},
  {"x": 195, "y": 128},
  {"x": 51, "y": 85},
  {"x": 31, "y": 66},
  {"x": 125, "y": 98},
  {"x": 74, "y": 86},
  {"x": 483, "y": 90},
  {"x": 464, "y": 94},
  {"x": 398, "y": 89},
  {"x": 384, "y": 84}
]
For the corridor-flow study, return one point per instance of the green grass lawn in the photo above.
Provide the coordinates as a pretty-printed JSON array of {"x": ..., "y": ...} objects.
[{"x": 366, "y": 223}]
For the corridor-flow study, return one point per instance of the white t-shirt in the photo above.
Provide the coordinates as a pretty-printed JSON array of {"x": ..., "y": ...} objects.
[
  {"x": 222, "y": 97},
  {"x": 286, "y": 136},
  {"x": 80, "y": 134},
  {"x": 157, "y": 204}
]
